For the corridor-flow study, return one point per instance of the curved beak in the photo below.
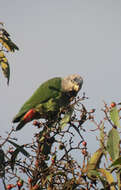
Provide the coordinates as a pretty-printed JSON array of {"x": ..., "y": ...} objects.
[{"x": 76, "y": 87}]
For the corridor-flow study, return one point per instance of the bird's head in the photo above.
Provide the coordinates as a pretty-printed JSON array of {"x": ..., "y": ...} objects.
[{"x": 72, "y": 83}]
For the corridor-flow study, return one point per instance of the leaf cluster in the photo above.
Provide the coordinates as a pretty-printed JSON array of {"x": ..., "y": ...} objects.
[
  {"x": 49, "y": 162},
  {"x": 6, "y": 46}
]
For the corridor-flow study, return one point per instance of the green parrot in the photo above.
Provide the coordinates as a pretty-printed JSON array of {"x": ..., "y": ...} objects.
[{"x": 47, "y": 101}]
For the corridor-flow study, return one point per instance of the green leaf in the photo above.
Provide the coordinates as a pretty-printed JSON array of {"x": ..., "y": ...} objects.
[
  {"x": 93, "y": 174},
  {"x": 102, "y": 139},
  {"x": 66, "y": 119},
  {"x": 114, "y": 115},
  {"x": 5, "y": 66},
  {"x": 45, "y": 148},
  {"x": 108, "y": 176},
  {"x": 49, "y": 178},
  {"x": 20, "y": 148},
  {"x": 113, "y": 144},
  {"x": 2, "y": 155},
  {"x": 13, "y": 158},
  {"x": 116, "y": 162},
  {"x": 42, "y": 139},
  {"x": 93, "y": 163},
  {"x": 15, "y": 154},
  {"x": 2, "y": 166},
  {"x": 95, "y": 160},
  {"x": 4, "y": 33},
  {"x": 8, "y": 44}
]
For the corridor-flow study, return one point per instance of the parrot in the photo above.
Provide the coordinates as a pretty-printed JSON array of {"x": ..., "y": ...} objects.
[{"x": 46, "y": 102}]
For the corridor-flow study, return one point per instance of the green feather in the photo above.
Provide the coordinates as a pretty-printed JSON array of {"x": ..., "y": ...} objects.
[{"x": 42, "y": 97}]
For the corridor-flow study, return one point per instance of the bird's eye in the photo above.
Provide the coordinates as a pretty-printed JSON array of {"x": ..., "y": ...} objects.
[{"x": 75, "y": 80}]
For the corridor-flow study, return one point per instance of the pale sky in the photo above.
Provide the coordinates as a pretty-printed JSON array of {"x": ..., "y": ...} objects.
[{"x": 57, "y": 38}]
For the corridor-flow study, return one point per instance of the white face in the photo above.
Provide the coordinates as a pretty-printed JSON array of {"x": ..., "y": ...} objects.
[
  {"x": 76, "y": 79},
  {"x": 72, "y": 82}
]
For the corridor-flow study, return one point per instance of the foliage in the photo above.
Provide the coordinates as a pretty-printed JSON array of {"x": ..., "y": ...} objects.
[
  {"x": 48, "y": 162},
  {"x": 6, "y": 45}
]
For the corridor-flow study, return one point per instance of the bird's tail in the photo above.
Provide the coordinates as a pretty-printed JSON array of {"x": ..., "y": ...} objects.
[
  {"x": 29, "y": 116},
  {"x": 20, "y": 125}
]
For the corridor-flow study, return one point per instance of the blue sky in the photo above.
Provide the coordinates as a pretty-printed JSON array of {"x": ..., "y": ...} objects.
[{"x": 57, "y": 38}]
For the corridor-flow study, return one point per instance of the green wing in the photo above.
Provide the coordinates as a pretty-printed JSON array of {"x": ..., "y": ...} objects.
[{"x": 49, "y": 89}]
